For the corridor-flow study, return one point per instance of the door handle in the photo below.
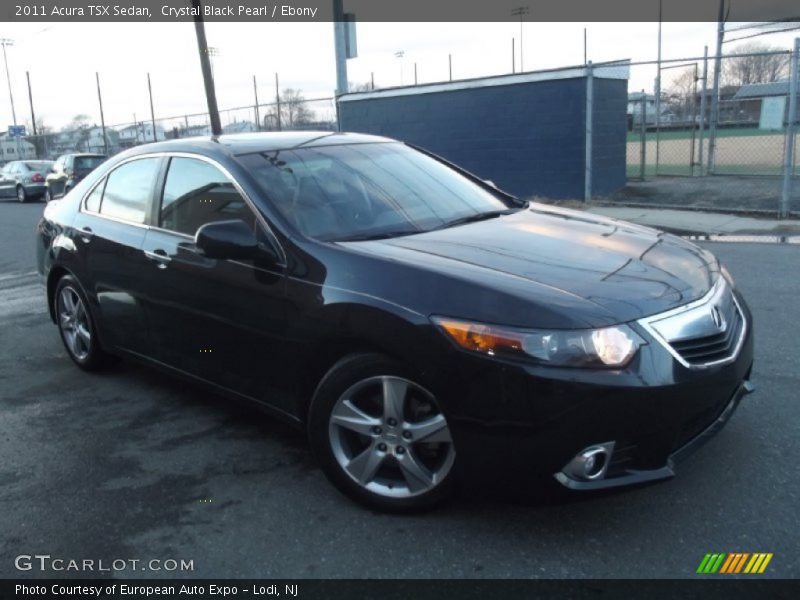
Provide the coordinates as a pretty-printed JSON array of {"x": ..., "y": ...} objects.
[
  {"x": 159, "y": 256},
  {"x": 86, "y": 234}
]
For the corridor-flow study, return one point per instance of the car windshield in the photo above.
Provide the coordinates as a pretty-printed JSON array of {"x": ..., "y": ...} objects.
[
  {"x": 88, "y": 162},
  {"x": 368, "y": 191}
]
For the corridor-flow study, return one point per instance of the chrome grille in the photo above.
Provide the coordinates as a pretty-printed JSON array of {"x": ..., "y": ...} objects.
[{"x": 707, "y": 332}]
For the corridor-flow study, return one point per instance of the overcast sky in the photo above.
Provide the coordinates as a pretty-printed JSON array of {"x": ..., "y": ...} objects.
[{"x": 62, "y": 60}]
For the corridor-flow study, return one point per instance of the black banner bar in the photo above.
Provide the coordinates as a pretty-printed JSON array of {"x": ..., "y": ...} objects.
[
  {"x": 705, "y": 588},
  {"x": 394, "y": 10}
]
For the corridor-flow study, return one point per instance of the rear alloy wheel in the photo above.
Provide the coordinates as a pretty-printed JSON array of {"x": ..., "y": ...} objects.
[
  {"x": 76, "y": 326},
  {"x": 47, "y": 196},
  {"x": 22, "y": 195},
  {"x": 381, "y": 437}
]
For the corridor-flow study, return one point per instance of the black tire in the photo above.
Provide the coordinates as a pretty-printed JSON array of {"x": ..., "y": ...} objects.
[
  {"x": 22, "y": 195},
  {"x": 359, "y": 371},
  {"x": 88, "y": 354},
  {"x": 47, "y": 196}
]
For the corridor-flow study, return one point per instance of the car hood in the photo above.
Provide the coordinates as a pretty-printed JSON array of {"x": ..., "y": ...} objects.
[{"x": 627, "y": 270}]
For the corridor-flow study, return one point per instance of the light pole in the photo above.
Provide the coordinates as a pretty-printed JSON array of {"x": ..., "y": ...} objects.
[
  {"x": 520, "y": 12},
  {"x": 8, "y": 42},
  {"x": 399, "y": 55}
]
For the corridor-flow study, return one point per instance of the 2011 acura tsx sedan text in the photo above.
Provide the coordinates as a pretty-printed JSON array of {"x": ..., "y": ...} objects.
[{"x": 424, "y": 327}]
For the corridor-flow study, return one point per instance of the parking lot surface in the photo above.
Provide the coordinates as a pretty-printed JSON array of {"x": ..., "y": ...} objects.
[{"x": 131, "y": 464}]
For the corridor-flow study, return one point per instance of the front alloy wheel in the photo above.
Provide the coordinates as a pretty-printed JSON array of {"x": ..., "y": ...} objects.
[{"x": 386, "y": 441}]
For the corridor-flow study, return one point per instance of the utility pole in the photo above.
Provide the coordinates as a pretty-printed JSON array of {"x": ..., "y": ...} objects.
[
  {"x": 205, "y": 66},
  {"x": 791, "y": 134},
  {"x": 33, "y": 115},
  {"x": 658, "y": 86},
  {"x": 415, "y": 73},
  {"x": 152, "y": 112},
  {"x": 585, "y": 47},
  {"x": 712, "y": 130},
  {"x": 102, "y": 116},
  {"x": 255, "y": 111},
  {"x": 277, "y": 102},
  {"x": 450, "y": 65},
  {"x": 8, "y": 42},
  {"x": 520, "y": 12},
  {"x": 513, "y": 57},
  {"x": 340, "y": 47}
]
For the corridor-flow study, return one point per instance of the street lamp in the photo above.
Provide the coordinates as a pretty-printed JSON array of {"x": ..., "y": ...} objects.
[
  {"x": 399, "y": 55},
  {"x": 212, "y": 52},
  {"x": 520, "y": 12}
]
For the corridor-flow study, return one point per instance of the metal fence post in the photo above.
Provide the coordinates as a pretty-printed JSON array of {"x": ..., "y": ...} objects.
[
  {"x": 587, "y": 176},
  {"x": 791, "y": 133},
  {"x": 703, "y": 110},
  {"x": 643, "y": 128}
]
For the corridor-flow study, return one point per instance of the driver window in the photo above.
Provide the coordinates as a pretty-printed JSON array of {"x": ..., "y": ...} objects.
[{"x": 195, "y": 193}]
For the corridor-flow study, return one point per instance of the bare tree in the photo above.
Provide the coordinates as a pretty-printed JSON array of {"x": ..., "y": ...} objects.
[
  {"x": 766, "y": 68},
  {"x": 680, "y": 94},
  {"x": 294, "y": 110},
  {"x": 360, "y": 87}
]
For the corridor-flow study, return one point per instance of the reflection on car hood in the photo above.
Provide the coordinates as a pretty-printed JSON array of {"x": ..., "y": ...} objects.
[{"x": 629, "y": 270}]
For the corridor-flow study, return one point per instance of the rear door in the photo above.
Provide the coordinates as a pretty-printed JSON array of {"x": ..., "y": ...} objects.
[
  {"x": 7, "y": 181},
  {"x": 109, "y": 231},
  {"x": 220, "y": 320}
]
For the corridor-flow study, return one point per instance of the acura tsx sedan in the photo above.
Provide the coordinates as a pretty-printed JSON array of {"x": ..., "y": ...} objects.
[{"x": 426, "y": 329}]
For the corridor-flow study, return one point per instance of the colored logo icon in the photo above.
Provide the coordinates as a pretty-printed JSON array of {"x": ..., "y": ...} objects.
[{"x": 735, "y": 562}]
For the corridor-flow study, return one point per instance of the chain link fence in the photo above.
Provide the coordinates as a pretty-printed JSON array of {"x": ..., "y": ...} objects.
[
  {"x": 293, "y": 112},
  {"x": 690, "y": 148}
]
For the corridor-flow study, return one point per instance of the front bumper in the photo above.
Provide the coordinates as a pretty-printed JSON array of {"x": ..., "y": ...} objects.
[
  {"x": 621, "y": 477},
  {"x": 519, "y": 424}
]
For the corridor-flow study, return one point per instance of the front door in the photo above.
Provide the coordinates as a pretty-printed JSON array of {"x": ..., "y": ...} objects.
[{"x": 220, "y": 320}]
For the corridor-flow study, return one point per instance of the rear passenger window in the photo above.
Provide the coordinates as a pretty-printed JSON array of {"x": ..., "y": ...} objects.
[
  {"x": 93, "y": 199},
  {"x": 196, "y": 193},
  {"x": 128, "y": 188}
]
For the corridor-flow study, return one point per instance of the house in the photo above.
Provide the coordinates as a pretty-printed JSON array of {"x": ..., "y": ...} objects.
[
  {"x": 639, "y": 102},
  {"x": 140, "y": 133},
  {"x": 239, "y": 127},
  {"x": 15, "y": 149},
  {"x": 765, "y": 102},
  {"x": 92, "y": 141}
]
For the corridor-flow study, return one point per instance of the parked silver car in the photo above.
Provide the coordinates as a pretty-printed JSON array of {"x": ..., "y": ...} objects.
[{"x": 24, "y": 179}]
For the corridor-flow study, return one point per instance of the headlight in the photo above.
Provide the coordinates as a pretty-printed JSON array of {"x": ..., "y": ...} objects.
[
  {"x": 607, "y": 347},
  {"x": 727, "y": 275}
]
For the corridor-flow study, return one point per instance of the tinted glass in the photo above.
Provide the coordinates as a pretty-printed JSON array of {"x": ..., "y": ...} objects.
[
  {"x": 362, "y": 190},
  {"x": 128, "y": 189},
  {"x": 196, "y": 193},
  {"x": 38, "y": 165},
  {"x": 93, "y": 199},
  {"x": 88, "y": 162}
]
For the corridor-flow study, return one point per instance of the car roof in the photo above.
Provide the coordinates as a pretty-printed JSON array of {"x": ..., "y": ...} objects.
[{"x": 250, "y": 143}]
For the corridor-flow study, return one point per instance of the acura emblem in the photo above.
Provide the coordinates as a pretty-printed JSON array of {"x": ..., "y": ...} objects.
[{"x": 716, "y": 316}]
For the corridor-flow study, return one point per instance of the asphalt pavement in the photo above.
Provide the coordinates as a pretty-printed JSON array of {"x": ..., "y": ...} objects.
[{"x": 131, "y": 464}]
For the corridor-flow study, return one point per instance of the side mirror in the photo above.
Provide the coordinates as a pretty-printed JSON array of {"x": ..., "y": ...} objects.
[{"x": 226, "y": 239}]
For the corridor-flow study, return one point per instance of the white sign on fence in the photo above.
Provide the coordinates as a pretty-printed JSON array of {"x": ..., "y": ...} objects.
[{"x": 772, "y": 111}]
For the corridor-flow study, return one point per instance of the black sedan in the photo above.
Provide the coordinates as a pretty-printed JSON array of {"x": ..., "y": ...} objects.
[{"x": 425, "y": 328}]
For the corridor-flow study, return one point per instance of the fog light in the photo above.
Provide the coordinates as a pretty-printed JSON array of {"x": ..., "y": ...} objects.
[{"x": 590, "y": 463}]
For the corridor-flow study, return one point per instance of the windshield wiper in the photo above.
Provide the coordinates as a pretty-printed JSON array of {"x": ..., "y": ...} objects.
[
  {"x": 381, "y": 235},
  {"x": 476, "y": 217}
]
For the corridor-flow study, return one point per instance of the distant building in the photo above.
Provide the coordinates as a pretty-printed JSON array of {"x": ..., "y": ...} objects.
[
  {"x": 92, "y": 141},
  {"x": 765, "y": 102},
  {"x": 141, "y": 133},
  {"x": 239, "y": 127},
  {"x": 15, "y": 149},
  {"x": 644, "y": 105}
]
